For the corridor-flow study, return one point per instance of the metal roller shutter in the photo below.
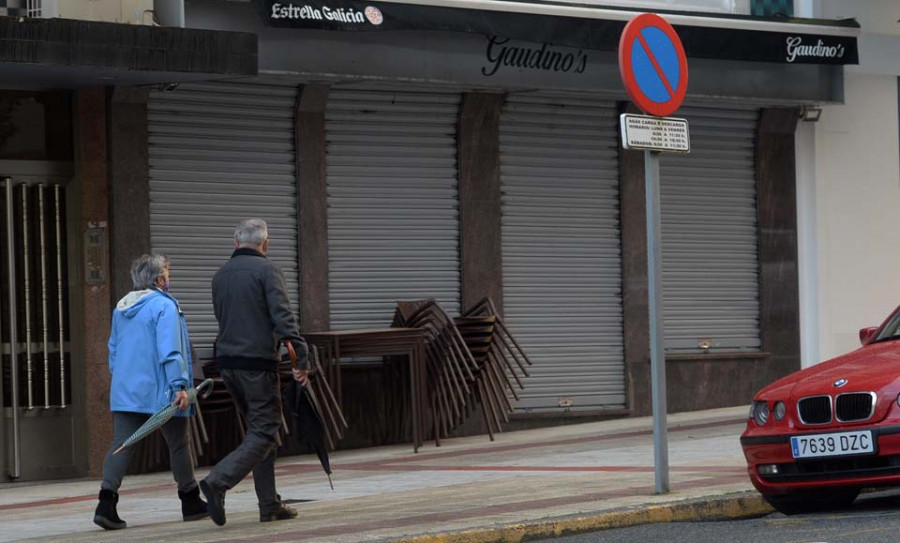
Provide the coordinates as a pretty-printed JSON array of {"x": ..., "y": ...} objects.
[
  {"x": 562, "y": 272},
  {"x": 709, "y": 235},
  {"x": 393, "y": 202},
  {"x": 220, "y": 153}
]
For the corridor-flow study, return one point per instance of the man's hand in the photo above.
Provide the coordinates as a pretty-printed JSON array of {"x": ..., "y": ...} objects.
[
  {"x": 181, "y": 400},
  {"x": 302, "y": 351},
  {"x": 301, "y": 376}
]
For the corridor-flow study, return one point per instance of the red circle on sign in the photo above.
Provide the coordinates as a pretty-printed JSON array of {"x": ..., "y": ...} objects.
[{"x": 629, "y": 35}]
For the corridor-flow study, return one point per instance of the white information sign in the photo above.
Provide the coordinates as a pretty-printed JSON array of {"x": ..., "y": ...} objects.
[{"x": 648, "y": 133}]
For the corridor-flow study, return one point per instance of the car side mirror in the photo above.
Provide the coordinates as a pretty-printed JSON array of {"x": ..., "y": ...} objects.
[{"x": 865, "y": 334}]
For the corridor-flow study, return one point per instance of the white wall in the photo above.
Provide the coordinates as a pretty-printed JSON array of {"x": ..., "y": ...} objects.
[
  {"x": 857, "y": 212},
  {"x": 874, "y": 16},
  {"x": 879, "y": 41},
  {"x": 848, "y": 189}
]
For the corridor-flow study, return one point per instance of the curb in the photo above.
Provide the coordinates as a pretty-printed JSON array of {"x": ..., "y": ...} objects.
[{"x": 729, "y": 507}]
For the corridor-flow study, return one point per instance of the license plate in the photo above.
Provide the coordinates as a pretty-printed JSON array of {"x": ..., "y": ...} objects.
[{"x": 837, "y": 444}]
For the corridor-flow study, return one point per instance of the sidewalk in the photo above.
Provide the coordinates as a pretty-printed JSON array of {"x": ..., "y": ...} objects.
[{"x": 536, "y": 482}]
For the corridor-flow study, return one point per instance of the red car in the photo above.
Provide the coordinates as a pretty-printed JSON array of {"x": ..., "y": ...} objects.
[{"x": 818, "y": 436}]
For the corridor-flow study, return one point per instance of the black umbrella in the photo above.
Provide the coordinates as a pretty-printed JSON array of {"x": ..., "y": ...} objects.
[{"x": 308, "y": 422}]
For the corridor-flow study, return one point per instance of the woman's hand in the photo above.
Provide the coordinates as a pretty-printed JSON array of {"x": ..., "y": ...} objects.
[{"x": 181, "y": 400}]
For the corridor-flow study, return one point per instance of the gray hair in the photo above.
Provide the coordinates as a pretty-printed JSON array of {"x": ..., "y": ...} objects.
[
  {"x": 146, "y": 269},
  {"x": 251, "y": 232}
]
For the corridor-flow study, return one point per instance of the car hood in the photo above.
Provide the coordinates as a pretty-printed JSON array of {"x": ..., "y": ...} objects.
[{"x": 874, "y": 367}]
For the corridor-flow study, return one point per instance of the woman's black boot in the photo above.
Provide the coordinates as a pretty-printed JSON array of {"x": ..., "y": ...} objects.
[{"x": 106, "y": 516}]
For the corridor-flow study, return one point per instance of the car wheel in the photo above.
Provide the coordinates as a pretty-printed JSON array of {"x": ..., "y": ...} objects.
[{"x": 812, "y": 502}]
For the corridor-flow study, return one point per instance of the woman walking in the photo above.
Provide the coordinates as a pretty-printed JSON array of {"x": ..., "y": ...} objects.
[{"x": 150, "y": 363}]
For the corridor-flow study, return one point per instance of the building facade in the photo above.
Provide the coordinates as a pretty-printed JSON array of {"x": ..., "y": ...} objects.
[
  {"x": 433, "y": 151},
  {"x": 438, "y": 160}
]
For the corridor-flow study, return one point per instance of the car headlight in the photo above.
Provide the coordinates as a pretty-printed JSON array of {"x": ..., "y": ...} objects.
[
  {"x": 760, "y": 412},
  {"x": 779, "y": 410}
]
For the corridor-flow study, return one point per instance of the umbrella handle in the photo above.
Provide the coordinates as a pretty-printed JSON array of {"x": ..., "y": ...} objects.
[
  {"x": 205, "y": 388},
  {"x": 294, "y": 359},
  {"x": 292, "y": 354}
]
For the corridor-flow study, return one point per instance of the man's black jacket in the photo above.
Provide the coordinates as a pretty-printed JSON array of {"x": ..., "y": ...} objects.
[{"x": 251, "y": 304}]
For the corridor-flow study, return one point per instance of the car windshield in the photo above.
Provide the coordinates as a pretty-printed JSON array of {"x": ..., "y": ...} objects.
[{"x": 891, "y": 331}]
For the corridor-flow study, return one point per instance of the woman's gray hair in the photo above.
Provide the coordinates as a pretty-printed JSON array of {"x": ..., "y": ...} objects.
[
  {"x": 146, "y": 269},
  {"x": 251, "y": 232}
]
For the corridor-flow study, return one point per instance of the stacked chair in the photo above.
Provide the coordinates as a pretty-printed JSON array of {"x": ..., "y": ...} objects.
[
  {"x": 472, "y": 360},
  {"x": 502, "y": 363},
  {"x": 451, "y": 366},
  {"x": 478, "y": 333},
  {"x": 197, "y": 428},
  {"x": 220, "y": 420}
]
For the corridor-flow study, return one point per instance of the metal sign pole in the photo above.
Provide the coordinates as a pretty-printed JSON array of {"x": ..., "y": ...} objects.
[
  {"x": 643, "y": 65},
  {"x": 657, "y": 354}
]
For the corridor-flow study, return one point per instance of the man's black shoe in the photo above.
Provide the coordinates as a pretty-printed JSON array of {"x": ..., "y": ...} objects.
[
  {"x": 215, "y": 502},
  {"x": 281, "y": 513}
]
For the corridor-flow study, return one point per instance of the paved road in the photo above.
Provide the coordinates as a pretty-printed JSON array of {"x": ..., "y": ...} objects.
[{"x": 874, "y": 518}]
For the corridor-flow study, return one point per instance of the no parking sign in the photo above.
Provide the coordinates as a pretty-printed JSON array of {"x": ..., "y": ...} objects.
[
  {"x": 654, "y": 70},
  {"x": 653, "y": 65}
]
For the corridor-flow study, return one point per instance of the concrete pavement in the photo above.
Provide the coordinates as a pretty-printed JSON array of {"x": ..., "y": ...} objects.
[{"x": 530, "y": 484}]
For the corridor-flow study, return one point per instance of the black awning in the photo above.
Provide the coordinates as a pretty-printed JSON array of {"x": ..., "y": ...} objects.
[
  {"x": 745, "y": 38},
  {"x": 63, "y": 53}
]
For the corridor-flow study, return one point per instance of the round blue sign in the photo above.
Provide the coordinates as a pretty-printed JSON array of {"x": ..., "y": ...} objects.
[{"x": 653, "y": 64}]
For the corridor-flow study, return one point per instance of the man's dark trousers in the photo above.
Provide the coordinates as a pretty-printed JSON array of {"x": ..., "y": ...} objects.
[{"x": 258, "y": 396}]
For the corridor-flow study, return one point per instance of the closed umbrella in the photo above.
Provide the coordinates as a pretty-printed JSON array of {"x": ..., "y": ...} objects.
[
  {"x": 308, "y": 421},
  {"x": 163, "y": 415}
]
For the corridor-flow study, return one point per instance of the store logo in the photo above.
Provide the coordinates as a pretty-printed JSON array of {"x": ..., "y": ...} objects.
[
  {"x": 796, "y": 48},
  {"x": 374, "y": 15},
  {"x": 545, "y": 58},
  {"x": 325, "y": 13}
]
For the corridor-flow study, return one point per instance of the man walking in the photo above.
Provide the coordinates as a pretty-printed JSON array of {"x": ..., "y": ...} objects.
[{"x": 251, "y": 305}]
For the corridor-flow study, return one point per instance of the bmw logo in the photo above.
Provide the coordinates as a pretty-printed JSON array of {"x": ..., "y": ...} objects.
[{"x": 840, "y": 382}]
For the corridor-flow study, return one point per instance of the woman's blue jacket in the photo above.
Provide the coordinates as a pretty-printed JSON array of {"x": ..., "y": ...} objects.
[{"x": 149, "y": 353}]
